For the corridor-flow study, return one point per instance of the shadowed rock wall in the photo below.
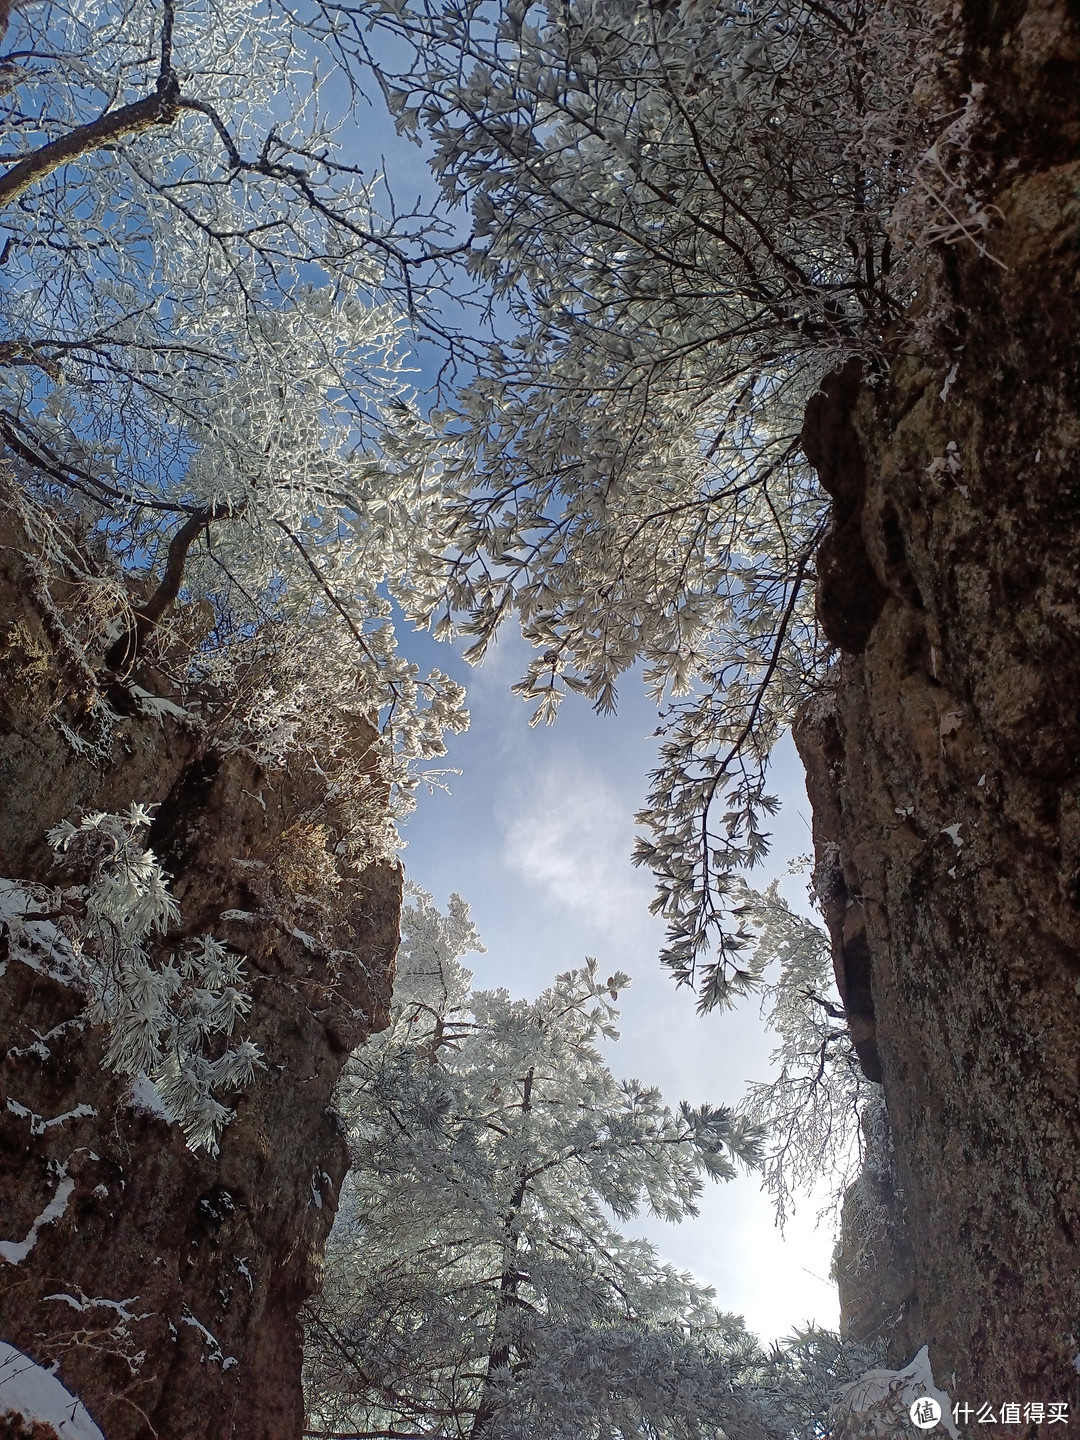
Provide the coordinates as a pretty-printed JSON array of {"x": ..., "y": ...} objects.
[
  {"x": 944, "y": 758},
  {"x": 169, "y": 1286}
]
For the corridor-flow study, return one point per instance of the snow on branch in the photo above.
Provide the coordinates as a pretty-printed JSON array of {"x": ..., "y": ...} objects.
[
  {"x": 686, "y": 217},
  {"x": 163, "y": 1009}
]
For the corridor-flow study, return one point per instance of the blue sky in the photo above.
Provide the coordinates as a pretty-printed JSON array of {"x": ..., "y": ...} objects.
[{"x": 537, "y": 837}]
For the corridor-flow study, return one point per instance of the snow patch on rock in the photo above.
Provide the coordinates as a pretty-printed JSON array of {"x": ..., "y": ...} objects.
[
  {"x": 37, "y": 1396},
  {"x": 16, "y": 1251}
]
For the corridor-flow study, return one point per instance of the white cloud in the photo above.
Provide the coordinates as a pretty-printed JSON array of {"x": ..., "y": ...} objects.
[{"x": 569, "y": 833}]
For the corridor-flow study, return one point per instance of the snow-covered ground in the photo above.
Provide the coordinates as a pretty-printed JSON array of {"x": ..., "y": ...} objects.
[{"x": 34, "y": 1394}]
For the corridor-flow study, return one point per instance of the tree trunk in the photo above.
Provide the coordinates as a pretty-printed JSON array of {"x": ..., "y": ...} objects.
[
  {"x": 500, "y": 1353},
  {"x": 168, "y": 1289},
  {"x": 944, "y": 759}
]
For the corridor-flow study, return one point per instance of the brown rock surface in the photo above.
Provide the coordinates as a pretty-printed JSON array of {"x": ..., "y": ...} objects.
[
  {"x": 944, "y": 763},
  {"x": 168, "y": 1289}
]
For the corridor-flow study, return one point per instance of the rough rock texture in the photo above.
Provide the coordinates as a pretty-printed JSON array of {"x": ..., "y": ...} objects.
[
  {"x": 168, "y": 1289},
  {"x": 944, "y": 760}
]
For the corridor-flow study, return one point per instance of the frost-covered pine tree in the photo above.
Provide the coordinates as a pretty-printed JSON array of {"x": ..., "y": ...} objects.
[
  {"x": 688, "y": 214},
  {"x": 477, "y": 1283}
]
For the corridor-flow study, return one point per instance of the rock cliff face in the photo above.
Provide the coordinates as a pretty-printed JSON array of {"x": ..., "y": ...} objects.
[
  {"x": 166, "y": 1285},
  {"x": 944, "y": 759}
]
